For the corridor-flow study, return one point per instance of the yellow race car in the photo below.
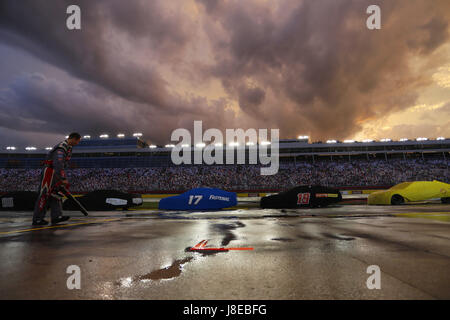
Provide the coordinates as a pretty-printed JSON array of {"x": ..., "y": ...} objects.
[{"x": 410, "y": 192}]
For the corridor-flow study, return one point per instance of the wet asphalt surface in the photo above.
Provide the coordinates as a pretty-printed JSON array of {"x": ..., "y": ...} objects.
[{"x": 296, "y": 254}]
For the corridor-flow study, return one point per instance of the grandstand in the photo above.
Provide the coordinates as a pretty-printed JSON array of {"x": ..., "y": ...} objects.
[
  {"x": 133, "y": 165},
  {"x": 136, "y": 153}
]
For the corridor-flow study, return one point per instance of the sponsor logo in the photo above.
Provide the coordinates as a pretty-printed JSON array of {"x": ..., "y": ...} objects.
[
  {"x": 116, "y": 201},
  {"x": 213, "y": 197},
  {"x": 332, "y": 195},
  {"x": 7, "y": 202}
]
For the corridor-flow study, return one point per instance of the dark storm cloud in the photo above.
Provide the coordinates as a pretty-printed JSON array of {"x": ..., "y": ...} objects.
[
  {"x": 250, "y": 99},
  {"x": 33, "y": 102},
  {"x": 90, "y": 53},
  {"x": 302, "y": 66},
  {"x": 94, "y": 56},
  {"x": 321, "y": 58}
]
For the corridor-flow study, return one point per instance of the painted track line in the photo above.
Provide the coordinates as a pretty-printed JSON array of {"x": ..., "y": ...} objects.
[{"x": 58, "y": 226}]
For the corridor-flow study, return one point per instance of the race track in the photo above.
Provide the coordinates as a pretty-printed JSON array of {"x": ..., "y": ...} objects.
[{"x": 296, "y": 254}]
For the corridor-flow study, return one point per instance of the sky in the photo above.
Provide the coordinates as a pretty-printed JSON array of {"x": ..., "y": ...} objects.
[{"x": 308, "y": 67}]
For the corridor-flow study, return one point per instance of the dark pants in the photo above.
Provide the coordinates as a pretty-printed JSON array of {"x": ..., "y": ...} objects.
[
  {"x": 53, "y": 201},
  {"x": 55, "y": 209}
]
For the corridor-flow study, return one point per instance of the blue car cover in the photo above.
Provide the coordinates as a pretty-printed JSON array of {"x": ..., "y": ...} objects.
[{"x": 200, "y": 199}]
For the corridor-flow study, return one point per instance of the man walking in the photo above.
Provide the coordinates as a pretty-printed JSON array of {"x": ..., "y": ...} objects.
[{"x": 52, "y": 179}]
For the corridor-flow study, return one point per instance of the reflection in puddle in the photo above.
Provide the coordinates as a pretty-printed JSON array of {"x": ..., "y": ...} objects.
[
  {"x": 282, "y": 239},
  {"x": 337, "y": 236},
  {"x": 227, "y": 231},
  {"x": 167, "y": 273},
  {"x": 175, "y": 269}
]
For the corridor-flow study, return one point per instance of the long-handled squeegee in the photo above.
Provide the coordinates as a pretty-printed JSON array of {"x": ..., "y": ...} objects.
[{"x": 72, "y": 198}]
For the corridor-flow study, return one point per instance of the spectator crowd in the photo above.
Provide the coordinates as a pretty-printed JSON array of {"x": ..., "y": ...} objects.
[{"x": 237, "y": 177}]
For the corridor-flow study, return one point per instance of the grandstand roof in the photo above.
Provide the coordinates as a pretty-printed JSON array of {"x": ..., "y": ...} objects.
[{"x": 288, "y": 147}]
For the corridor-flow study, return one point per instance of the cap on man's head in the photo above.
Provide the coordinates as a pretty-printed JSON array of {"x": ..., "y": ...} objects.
[{"x": 75, "y": 135}]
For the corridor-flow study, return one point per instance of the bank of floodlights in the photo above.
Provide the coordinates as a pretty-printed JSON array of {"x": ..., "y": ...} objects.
[
  {"x": 11, "y": 148},
  {"x": 87, "y": 137},
  {"x": 331, "y": 141},
  {"x": 138, "y": 134},
  {"x": 349, "y": 141},
  {"x": 386, "y": 140},
  {"x": 30, "y": 148},
  {"x": 421, "y": 139},
  {"x": 120, "y": 135},
  {"x": 152, "y": 146},
  {"x": 403, "y": 139},
  {"x": 104, "y": 136},
  {"x": 367, "y": 140},
  {"x": 440, "y": 138}
]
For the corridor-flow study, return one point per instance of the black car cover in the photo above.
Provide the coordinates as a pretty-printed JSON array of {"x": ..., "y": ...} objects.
[
  {"x": 302, "y": 197},
  {"x": 105, "y": 200},
  {"x": 20, "y": 200}
]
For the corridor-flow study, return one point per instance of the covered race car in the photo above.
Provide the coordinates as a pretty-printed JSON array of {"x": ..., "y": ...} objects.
[
  {"x": 200, "y": 199},
  {"x": 18, "y": 201},
  {"x": 105, "y": 200},
  {"x": 302, "y": 197},
  {"x": 410, "y": 192}
]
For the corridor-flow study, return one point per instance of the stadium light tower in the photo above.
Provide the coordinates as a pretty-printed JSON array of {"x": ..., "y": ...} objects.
[
  {"x": 403, "y": 139},
  {"x": 440, "y": 138},
  {"x": 11, "y": 148},
  {"x": 104, "y": 136},
  {"x": 30, "y": 148},
  {"x": 349, "y": 141},
  {"x": 120, "y": 135},
  {"x": 331, "y": 141},
  {"x": 385, "y": 140},
  {"x": 86, "y": 137},
  {"x": 422, "y": 139},
  {"x": 152, "y": 146},
  {"x": 367, "y": 140},
  {"x": 48, "y": 148},
  {"x": 138, "y": 134}
]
